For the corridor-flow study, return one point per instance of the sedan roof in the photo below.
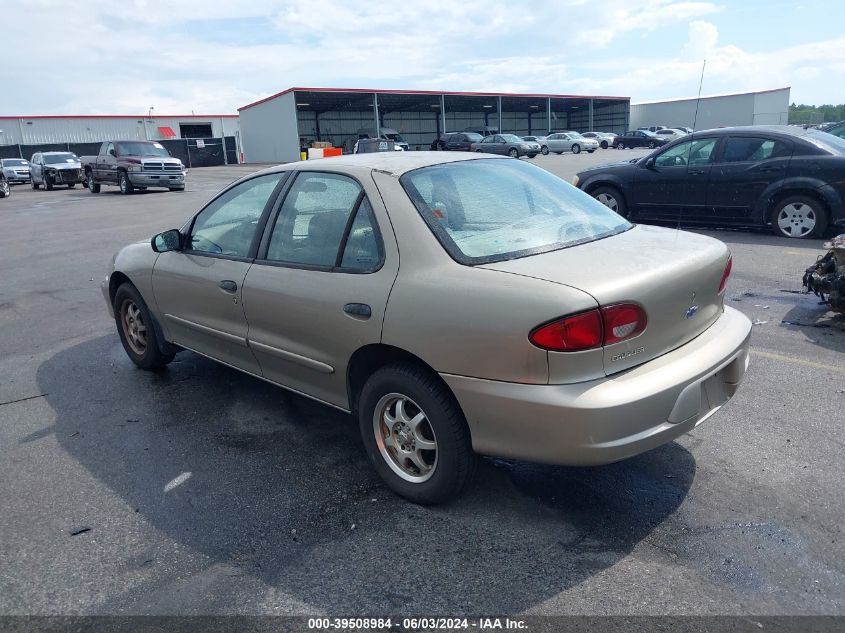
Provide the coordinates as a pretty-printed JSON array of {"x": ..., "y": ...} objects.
[{"x": 395, "y": 163}]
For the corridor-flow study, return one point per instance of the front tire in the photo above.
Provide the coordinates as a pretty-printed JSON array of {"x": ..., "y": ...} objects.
[
  {"x": 48, "y": 183},
  {"x": 544, "y": 150},
  {"x": 415, "y": 434},
  {"x": 34, "y": 184},
  {"x": 93, "y": 187},
  {"x": 621, "y": 145},
  {"x": 612, "y": 198},
  {"x": 125, "y": 185},
  {"x": 136, "y": 330},
  {"x": 604, "y": 144},
  {"x": 799, "y": 217},
  {"x": 5, "y": 190},
  {"x": 576, "y": 149},
  {"x": 651, "y": 145}
]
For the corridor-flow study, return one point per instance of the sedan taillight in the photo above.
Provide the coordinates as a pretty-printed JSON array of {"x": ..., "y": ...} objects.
[
  {"x": 728, "y": 267},
  {"x": 591, "y": 329}
]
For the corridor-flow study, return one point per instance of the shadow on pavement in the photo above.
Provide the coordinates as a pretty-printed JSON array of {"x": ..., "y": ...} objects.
[{"x": 277, "y": 483}]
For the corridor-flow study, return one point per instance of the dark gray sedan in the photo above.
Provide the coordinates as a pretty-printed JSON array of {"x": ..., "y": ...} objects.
[{"x": 507, "y": 145}]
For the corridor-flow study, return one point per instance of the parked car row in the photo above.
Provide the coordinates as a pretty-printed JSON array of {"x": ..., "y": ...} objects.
[
  {"x": 788, "y": 178},
  {"x": 129, "y": 165}
]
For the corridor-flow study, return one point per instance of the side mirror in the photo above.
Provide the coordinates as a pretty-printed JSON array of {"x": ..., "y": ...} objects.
[
  {"x": 111, "y": 151},
  {"x": 649, "y": 163},
  {"x": 167, "y": 241}
]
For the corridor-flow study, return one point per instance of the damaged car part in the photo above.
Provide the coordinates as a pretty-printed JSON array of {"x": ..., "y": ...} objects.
[{"x": 826, "y": 278}]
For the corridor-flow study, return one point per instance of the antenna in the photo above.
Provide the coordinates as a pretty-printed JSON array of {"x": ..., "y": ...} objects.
[{"x": 692, "y": 136}]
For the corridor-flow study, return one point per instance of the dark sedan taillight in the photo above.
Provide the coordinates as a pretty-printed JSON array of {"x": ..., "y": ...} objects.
[{"x": 591, "y": 329}]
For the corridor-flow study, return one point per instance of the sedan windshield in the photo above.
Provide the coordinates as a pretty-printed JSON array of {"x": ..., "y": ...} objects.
[
  {"x": 15, "y": 162},
  {"x": 53, "y": 159},
  {"x": 491, "y": 210},
  {"x": 138, "y": 148}
]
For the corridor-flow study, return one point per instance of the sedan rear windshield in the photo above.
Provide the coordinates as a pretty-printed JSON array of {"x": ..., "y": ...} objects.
[
  {"x": 831, "y": 143},
  {"x": 53, "y": 159},
  {"x": 137, "y": 148},
  {"x": 490, "y": 210}
]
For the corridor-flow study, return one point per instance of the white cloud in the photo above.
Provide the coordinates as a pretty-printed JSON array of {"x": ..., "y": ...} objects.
[
  {"x": 701, "y": 41},
  {"x": 126, "y": 57}
]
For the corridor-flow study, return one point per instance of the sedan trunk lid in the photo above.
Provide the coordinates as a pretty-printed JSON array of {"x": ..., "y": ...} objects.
[{"x": 673, "y": 275}]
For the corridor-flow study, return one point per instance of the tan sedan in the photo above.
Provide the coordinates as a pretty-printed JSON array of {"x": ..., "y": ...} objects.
[{"x": 453, "y": 304}]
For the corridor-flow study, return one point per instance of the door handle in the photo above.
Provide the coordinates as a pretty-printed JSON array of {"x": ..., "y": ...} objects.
[
  {"x": 227, "y": 285},
  {"x": 360, "y": 310},
  {"x": 695, "y": 172},
  {"x": 772, "y": 168}
]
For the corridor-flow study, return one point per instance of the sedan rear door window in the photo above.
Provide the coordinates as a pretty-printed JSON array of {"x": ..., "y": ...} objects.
[
  {"x": 740, "y": 149},
  {"x": 316, "y": 227}
]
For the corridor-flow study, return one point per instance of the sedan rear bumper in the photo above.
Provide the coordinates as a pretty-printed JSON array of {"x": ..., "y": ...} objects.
[{"x": 612, "y": 418}]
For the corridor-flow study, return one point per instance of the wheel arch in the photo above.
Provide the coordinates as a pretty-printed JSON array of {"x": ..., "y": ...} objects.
[
  {"x": 116, "y": 280},
  {"x": 368, "y": 359},
  {"x": 771, "y": 201}
]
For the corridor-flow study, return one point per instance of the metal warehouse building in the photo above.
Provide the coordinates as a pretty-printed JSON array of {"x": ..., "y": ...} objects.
[
  {"x": 198, "y": 140},
  {"x": 765, "y": 107},
  {"x": 34, "y": 130},
  {"x": 274, "y": 129}
]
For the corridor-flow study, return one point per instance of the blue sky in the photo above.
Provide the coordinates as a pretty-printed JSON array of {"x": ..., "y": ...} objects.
[{"x": 212, "y": 57}]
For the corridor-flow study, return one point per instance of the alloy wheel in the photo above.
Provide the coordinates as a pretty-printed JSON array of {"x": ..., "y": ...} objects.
[
  {"x": 405, "y": 437},
  {"x": 797, "y": 219},
  {"x": 134, "y": 328},
  {"x": 609, "y": 201}
]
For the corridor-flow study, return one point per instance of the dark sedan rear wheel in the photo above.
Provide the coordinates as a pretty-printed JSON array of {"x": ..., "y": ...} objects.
[
  {"x": 799, "y": 217},
  {"x": 513, "y": 152},
  {"x": 612, "y": 198}
]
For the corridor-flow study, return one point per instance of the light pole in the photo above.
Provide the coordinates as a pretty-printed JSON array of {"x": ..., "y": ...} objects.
[{"x": 149, "y": 118}]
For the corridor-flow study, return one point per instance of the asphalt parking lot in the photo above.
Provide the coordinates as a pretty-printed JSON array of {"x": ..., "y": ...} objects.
[{"x": 203, "y": 491}]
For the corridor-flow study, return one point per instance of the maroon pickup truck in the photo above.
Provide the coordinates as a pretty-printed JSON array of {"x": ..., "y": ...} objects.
[{"x": 133, "y": 165}]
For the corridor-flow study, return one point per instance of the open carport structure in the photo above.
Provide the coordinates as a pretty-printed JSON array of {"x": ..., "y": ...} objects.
[{"x": 274, "y": 129}]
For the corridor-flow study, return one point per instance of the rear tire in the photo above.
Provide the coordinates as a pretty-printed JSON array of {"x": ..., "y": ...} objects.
[
  {"x": 799, "y": 217},
  {"x": 93, "y": 187},
  {"x": 604, "y": 144},
  {"x": 590, "y": 151},
  {"x": 651, "y": 145},
  {"x": 544, "y": 150},
  {"x": 621, "y": 145},
  {"x": 612, "y": 198},
  {"x": 71, "y": 185},
  {"x": 513, "y": 152},
  {"x": 392, "y": 434},
  {"x": 136, "y": 330},
  {"x": 125, "y": 185}
]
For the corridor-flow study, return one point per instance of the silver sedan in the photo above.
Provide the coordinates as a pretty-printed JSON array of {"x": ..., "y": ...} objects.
[
  {"x": 560, "y": 142},
  {"x": 524, "y": 319}
]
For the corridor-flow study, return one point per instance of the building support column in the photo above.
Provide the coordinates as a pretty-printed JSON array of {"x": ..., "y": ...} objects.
[
  {"x": 590, "y": 116},
  {"x": 499, "y": 109},
  {"x": 375, "y": 115},
  {"x": 549, "y": 115},
  {"x": 443, "y": 112}
]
